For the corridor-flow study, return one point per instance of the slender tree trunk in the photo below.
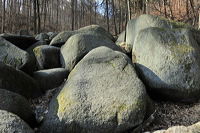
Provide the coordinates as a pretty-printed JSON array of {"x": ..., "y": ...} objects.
[
  {"x": 165, "y": 8},
  {"x": 4, "y": 16},
  {"x": 107, "y": 16},
  {"x": 35, "y": 17},
  {"x": 128, "y": 9},
  {"x": 72, "y": 12},
  {"x": 113, "y": 12},
  {"x": 38, "y": 16},
  {"x": 187, "y": 8}
]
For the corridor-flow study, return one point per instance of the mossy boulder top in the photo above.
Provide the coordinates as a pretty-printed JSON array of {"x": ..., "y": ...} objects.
[
  {"x": 168, "y": 62},
  {"x": 62, "y": 37},
  {"x": 102, "y": 94}
]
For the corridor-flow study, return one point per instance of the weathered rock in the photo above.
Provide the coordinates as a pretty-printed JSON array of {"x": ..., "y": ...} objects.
[
  {"x": 42, "y": 36},
  {"x": 18, "y": 82},
  {"x": 102, "y": 95},
  {"x": 24, "y": 33},
  {"x": 11, "y": 123},
  {"x": 168, "y": 62},
  {"x": 47, "y": 57},
  {"x": 51, "y": 35},
  {"x": 23, "y": 42},
  {"x": 30, "y": 49},
  {"x": 195, "y": 128},
  {"x": 16, "y": 104},
  {"x": 79, "y": 45},
  {"x": 51, "y": 78},
  {"x": 121, "y": 38},
  {"x": 142, "y": 22},
  {"x": 62, "y": 37},
  {"x": 17, "y": 58}
]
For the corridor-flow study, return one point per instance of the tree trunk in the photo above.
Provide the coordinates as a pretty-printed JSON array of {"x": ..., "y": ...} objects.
[
  {"x": 165, "y": 8},
  {"x": 72, "y": 14},
  {"x": 38, "y": 16},
  {"x": 35, "y": 17},
  {"x": 107, "y": 16},
  {"x": 128, "y": 9},
  {"x": 113, "y": 12},
  {"x": 4, "y": 16}
]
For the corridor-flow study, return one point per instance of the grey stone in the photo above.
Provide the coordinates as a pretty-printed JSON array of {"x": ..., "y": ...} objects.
[
  {"x": 62, "y": 37},
  {"x": 51, "y": 78},
  {"x": 103, "y": 94},
  {"x": 24, "y": 33},
  {"x": 47, "y": 57},
  {"x": 16, "y": 104},
  {"x": 17, "y": 58},
  {"x": 79, "y": 45},
  {"x": 11, "y": 123},
  {"x": 168, "y": 62},
  {"x": 42, "y": 36},
  {"x": 23, "y": 42},
  {"x": 18, "y": 82},
  {"x": 142, "y": 22},
  {"x": 121, "y": 38}
]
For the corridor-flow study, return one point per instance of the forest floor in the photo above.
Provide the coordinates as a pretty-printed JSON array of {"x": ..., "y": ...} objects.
[
  {"x": 168, "y": 113},
  {"x": 174, "y": 114}
]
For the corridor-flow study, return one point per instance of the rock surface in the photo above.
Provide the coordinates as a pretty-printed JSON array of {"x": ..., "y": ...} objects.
[
  {"x": 47, "y": 57},
  {"x": 18, "y": 82},
  {"x": 11, "y": 123},
  {"x": 168, "y": 62},
  {"x": 79, "y": 45},
  {"x": 62, "y": 37},
  {"x": 102, "y": 94},
  {"x": 16, "y": 104},
  {"x": 23, "y": 42},
  {"x": 17, "y": 58},
  {"x": 51, "y": 78}
]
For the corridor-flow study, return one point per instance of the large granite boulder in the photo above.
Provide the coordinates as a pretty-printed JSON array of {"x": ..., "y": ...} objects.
[
  {"x": 16, "y": 104},
  {"x": 17, "y": 58},
  {"x": 79, "y": 45},
  {"x": 168, "y": 62},
  {"x": 11, "y": 123},
  {"x": 121, "y": 38},
  {"x": 24, "y": 33},
  {"x": 103, "y": 94},
  {"x": 62, "y": 37},
  {"x": 47, "y": 57},
  {"x": 51, "y": 78},
  {"x": 18, "y": 82},
  {"x": 23, "y": 42},
  {"x": 143, "y": 21}
]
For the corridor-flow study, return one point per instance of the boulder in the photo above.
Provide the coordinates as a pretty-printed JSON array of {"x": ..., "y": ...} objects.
[
  {"x": 168, "y": 63},
  {"x": 30, "y": 49},
  {"x": 143, "y": 21},
  {"x": 42, "y": 36},
  {"x": 79, "y": 45},
  {"x": 103, "y": 94},
  {"x": 62, "y": 37},
  {"x": 18, "y": 82},
  {"x": 17, "y": 58},
  {"x": 51, "y": 78},
  {"x": 51, "y": 35},
  {"x": 23, "y": 42},
  {"x": 121, "y": 38},
  {"x": 195, "y": 128},
  {"x": 24, "y": 33},
  {"x": 47, "y": 57},
  {"x": 16, "y": 104},
  {"x": 11, "y": 123}
]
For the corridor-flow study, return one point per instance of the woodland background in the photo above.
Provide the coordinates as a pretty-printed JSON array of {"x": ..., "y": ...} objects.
[{"x": 59, "y": 15}]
